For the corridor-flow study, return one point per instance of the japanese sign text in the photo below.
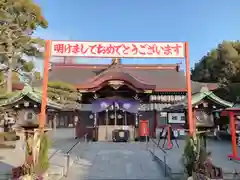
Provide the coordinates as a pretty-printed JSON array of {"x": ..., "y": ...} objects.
[{"x": 118, "y": 49}]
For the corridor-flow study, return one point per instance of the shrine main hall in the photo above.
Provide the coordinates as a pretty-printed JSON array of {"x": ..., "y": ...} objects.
[{"x": 117, "y": 96}]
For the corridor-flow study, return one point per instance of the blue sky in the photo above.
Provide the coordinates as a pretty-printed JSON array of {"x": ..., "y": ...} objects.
[{"x": 203, "y": 23}]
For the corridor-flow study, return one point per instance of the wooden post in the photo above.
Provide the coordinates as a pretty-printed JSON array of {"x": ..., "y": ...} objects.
[
  {"x": 125, "y": 118},
  {"x": 191, "y": 121},
  {"x": 169, "y": 137},
  {"x": 47, "y": 57},
  {"x": 233, "y": 133},
  {"x": 106, "y": 122},
  {"x": 115, "y": 115}
]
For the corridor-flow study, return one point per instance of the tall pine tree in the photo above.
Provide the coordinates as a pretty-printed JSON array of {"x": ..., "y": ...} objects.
[{"x": 18, "y": 20}]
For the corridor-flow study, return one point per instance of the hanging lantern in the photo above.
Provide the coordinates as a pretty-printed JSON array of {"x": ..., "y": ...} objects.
[
  {"x": 111, "y": 107},
  {"x": 79, "y": 97},
  {"x": 126, "y": 105},
  {"x": 116, "y": 105},
  {"x": 120, "y": 116},
  {"x": 95, "y": 96},
  {"x": 91, "y": 116},
  {"x": 104, "y": 105},
  {"x": 26, "y": 104},
  {"x": 151, "y": 98},
  {"x": 112, "y": 116},
  {"x": 205, "y": 104}
]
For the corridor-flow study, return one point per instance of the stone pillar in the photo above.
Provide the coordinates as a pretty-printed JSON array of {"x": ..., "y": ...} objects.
[
  {"x": 106, "y": 136},
  {"x": 54, "y": 122}
]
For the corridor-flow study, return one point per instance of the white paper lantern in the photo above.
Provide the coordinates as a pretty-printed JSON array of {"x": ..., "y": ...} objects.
[
  {"x": 112, "y": 116},
  {"x": 91, "y": 116},
  {"x": 120, "y": 116}
]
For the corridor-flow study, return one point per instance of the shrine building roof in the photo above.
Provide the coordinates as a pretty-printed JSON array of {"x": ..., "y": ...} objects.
[{"x": 157, "y": 77}]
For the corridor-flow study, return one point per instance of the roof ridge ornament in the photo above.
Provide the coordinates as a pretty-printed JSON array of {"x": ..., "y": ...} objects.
[
  {"x": 204, "y": 89},
  {"x": 116, "y": 61},
  {"x": 27, "y": 88}
]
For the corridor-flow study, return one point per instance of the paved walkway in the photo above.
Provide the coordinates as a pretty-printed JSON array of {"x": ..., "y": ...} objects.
[
  {"x": 114, "y": 161},
  {"x": 219, "y": 150},
  {"x": 63, "y": 140},
  {"x": 95, "y": 160}
]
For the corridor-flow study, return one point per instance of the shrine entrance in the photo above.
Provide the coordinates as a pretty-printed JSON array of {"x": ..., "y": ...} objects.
[
  {"x": 116, "y": 111},
  {"x": 116, "y": 118}
]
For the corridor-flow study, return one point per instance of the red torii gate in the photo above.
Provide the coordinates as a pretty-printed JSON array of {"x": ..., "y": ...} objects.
[
  {"x": 117, "y": 50},
  {"x": 232, "y": 112}
]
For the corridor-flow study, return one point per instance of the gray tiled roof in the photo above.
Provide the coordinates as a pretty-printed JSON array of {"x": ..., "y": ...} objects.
[{"x": 165, "y": 79}]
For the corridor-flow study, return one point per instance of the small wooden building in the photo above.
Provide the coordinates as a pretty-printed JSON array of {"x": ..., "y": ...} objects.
[
  {"x": 26, "y": 104},
  {"x": 204, "y": 105}
]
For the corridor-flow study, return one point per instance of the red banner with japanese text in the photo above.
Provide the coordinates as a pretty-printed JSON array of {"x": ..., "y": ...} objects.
[{"x": 118, "y": 49}]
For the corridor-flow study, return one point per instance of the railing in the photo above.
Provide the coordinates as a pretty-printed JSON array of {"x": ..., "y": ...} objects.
[
  {"x": 69, "y": 152},
  {"x": 164, "y": 162},
  {"x": 55, "y": 152}
]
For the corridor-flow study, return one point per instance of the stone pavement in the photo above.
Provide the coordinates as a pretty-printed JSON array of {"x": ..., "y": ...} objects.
[
  {"x": 11, "y": 158},
  {"x": 90, "y": 161},
  {"x": 219, "y": 149},
  {"x": 63, "y": 140},
  {"x": 106, "y": 160}
]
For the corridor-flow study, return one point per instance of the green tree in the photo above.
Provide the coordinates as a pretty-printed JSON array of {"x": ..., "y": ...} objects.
[
  {"x": 15, "y": 77},
  {"x": 18, "y": 20},
  {"x": 29, "y": 73},
  {"x": 63, "y": 93},
  {"x": 37, "y": 76},
  {"x": 28, "y": 66},
  {"x": 221, "y": 65}
]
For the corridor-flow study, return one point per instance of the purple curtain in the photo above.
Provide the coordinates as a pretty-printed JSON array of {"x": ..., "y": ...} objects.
[{"x": 123, "y": 104}]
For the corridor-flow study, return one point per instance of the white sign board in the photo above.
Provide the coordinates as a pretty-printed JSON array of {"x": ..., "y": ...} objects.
[
  {"x": 176, "y": 118},
  {"x": 118, "y": 49}
]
